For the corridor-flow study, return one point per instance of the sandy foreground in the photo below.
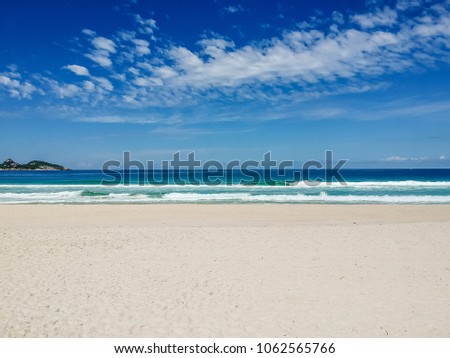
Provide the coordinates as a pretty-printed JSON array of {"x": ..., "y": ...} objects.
[{"x": 224, "y": 271}]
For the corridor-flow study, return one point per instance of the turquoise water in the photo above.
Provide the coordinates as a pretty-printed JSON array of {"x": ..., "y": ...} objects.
[{"x": 362, "y": 186}]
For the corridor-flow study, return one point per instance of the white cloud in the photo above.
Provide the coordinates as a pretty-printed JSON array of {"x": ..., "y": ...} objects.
[
  {"x": 432, "y": 29},
  {"x": 126, "y": 35},
  {"x": 148, "y": 82},
  {"x": 396, "y": 158},
  {"x": 303, "y": 61},
  {"x": 165, "y": 72},
  {"x": 119, "y": 76},
  {"x": 115, "y": 119},
  {"x": 101, "y": 119},
  {"x": 134, "y": 71},
  {"x": 129, "y": 98},
  {"x": 104, "y": 83},
  {"x": 12, "y": 67},
  {"x": 442, "y": 157},
  {"x": 185, "y": 60},
  {"x": 233, "y": 9},
  {"x": 78, "y": 70},
  {"x": 16, "y": 87},
  {"x": 84, "y": 91},
  {"x": 306, "y": 58},
  {"x": 407, "y": 4},
  {"x": 89, "y": 86},
  {"x": 101, "y": 58},
  {"x": 142, "y": 47},
  {"x": 297, "y": 57},
  {"x": 103, "y": 48},
  {"x": 5, "y": 80},
  {"x": 66, "y": 90},
  {"x": 147, "y": 26},
  {"x": 385, "y": 17},
  {"x": 337, "y": 17},
  {"x": 88, "y": 32},
  {"x": 102, "y": 43},
  {"x": 418, "y": 158},
  {"x": 215, "y": 47}
]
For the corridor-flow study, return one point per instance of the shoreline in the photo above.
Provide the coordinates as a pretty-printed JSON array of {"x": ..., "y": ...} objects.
[{"x": 224, "y": 270}]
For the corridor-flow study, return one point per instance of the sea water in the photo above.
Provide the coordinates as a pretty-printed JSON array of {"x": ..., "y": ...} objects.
[{"x": 404, "y": 186}]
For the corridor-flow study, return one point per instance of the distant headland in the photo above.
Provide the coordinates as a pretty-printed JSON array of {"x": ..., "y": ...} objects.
[{"x": 10, "y": 164}]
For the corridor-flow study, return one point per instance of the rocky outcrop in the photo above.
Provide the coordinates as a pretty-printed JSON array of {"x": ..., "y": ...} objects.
[{"x": 10, "y": 164}]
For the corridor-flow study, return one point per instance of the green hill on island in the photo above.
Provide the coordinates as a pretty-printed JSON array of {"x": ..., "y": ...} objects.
[{"x": 10, "y": 164}]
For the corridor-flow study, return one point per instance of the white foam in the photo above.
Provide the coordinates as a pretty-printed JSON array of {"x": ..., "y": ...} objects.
[
  {"x": 301, "y": 198},
  {"x": 302, "y": 184},
  {"x": 243, "y": 194}
]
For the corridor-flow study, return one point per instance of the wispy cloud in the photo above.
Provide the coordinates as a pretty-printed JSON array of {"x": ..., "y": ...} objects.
[
  {"x": 307, "y": 58},
  {"x": 397, "y": 158},
  {"x": 15, "y": 86},
  {"x": 115, "y": 119},
  {"x": 89, "y": 32},
  {"x": 407, "y": 4},
  {"x": 404, "y": 109},
  {"x": 385, "y": 17},
  {"x": 232, "y": 9},
  {"x": 78, "y": 70},
  {"x": 146, "y": 26},
  {"x": 142, "y": 47},
  {"x": 182, "y": 131},
  {"x": 322, "y": 57},
  {"x": 103, "y": 47},
  {"x": 104, "y": 44}
]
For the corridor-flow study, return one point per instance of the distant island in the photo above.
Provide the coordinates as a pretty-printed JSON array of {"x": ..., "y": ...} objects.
[{"x": 10, "y": 164}]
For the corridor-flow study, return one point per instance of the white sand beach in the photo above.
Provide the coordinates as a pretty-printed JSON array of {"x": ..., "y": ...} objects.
[{"x": 224, "y": 271}]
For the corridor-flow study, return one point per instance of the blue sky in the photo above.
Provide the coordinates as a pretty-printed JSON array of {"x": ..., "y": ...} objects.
[{"x": 83, "y": 81}]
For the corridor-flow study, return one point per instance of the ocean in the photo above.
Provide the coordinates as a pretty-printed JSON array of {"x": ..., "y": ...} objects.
[{"x": 362, "y": 186}]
